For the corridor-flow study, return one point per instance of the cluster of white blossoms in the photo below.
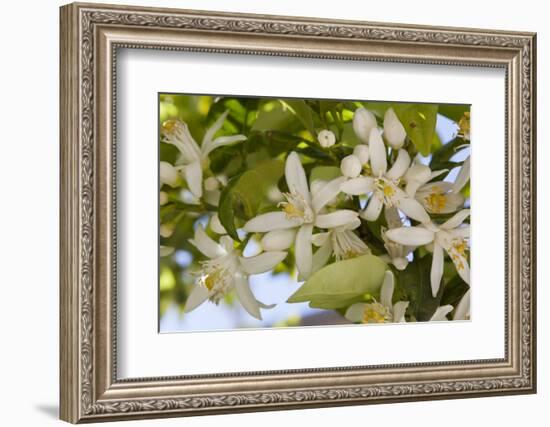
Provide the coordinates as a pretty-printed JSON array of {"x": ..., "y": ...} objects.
[{"x": 307, "y": 220}]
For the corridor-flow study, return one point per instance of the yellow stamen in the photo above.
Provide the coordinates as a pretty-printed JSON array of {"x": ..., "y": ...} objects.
[
  {"x": 375, "y": 313},
  {"x": 436, "y": 201},
  {"x": 169, "y": 126},
  {"x": 464, "y": 124},
  {"x": 388, "y": 190}
]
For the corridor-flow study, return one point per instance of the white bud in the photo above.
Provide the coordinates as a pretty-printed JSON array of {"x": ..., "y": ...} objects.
[
  {"x": 278, "y": 240},
  {"x": 362, "y": 153},
  {"x": 400, "y": 263},
  {"x": 326, "y": 138},
  {"x": 363, "y": 122},
  {"x": 394, "y": 132},
  {"x": 211, "y": 184},
  {"x": 351, "y": 166},
  {"x": 163, "y": 198},
  {"x": 168, "y": 174},
  {"x": 216, "y": 225},
  {"x": 166, "y": 230}
]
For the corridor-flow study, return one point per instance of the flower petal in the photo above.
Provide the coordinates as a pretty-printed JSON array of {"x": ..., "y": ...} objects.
[
  {"x": 400, "y": 166},
  {"x": 411, "y": 236},
  {"x": 399, "y": 310},
  {"x": 216, "y": 225},
  {"x": 335, "y": 219},
  {"x": 413, "y": 209},
  {"x": 209, "y": 135},
  {"x": 270, "y": 221},
  {"x": 321, "y": 256},
  {"x": 462, "y": 310},
  {"x": 327, "y": 192},
  {"x": 193, "y": 176},
  {"x": 221, "y": 141},
  {"x": 437, "y": 269},
  {"x": 358, "y": 186},
  {"x": 168, "y": 174},
  {"x": 386, "y": 291},
  {"x": 278, "y": 240},
  {"x": 246, "y": 297},
  {"x": 394, "y": 132},
  {"x": 463, "y": 176},
  {"x": 456, "y": 219},
  {"x": 320, "y": 239},
  {"x": 440, "y": 314},
  {"x": 206, "y": 245},
  {"x": 377, "y": 153},
  {"x": 374, "y": 207},
  {"x": 296, "y": 177},
  {"x": 462, "y": 267},
  {"x": 355, "y": 312},
  {"x": 198, "y": 295},
  {"x": 363, "y": 122},
  {"x": 303, "y": 251},
  {"x": 463, "y": 231},
  {"x": 262, "y": 262}
]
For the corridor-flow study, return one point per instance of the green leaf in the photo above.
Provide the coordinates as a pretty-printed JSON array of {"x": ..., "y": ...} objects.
[
  {"x": 226, "y": 213},
  {"x": 341, "y": 283},
  {"x": 303, "y": 112},
  {"x": 453, "y": 111},
  {"x": 414, "y": 285},
  {"x": 419, "y": 123},
  {"x": 244, "y": 194},
  {"x": 441, "y": 157},
  {"x": 324, "y": 173},
  {"x": 272, "y": 116}
]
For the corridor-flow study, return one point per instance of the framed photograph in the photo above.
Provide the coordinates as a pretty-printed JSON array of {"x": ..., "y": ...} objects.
[{"x": 265, "y": 212}]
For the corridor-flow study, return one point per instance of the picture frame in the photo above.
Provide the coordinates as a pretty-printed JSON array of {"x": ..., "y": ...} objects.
[{"x": 91, "y": 36}]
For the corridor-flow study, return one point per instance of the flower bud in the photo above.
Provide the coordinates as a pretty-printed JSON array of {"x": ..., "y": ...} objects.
[
  {"x": 163, "y": 198},
  {"x": 363, "y": 122},
  {"x": 362, "y": 153},
  {"x": 216, "y": 225},
  {"x": 351, "y": 166},
  {"x": 394, "y": 132},
  {"x": 168, "y": 174},
  {"x": 400, "y": 263},
  {"x": 166, "y": 230},
  {"x": 326, "y": 138},
  {"x": 278, "y": 240},
  {"x": 211, "y": 184}
]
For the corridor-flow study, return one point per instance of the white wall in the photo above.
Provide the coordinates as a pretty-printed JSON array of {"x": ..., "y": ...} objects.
[{"x": 29, "y": 171}]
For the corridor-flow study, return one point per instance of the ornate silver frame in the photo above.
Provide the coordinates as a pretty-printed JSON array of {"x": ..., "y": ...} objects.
[{"x": 90, "y": 36}]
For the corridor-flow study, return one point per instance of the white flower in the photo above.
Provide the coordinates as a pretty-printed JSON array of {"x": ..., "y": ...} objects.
[
  {"x": 225, "y": 270},
  {"x": 439, "y": 197},
  {"x": 194, "y": 158},
  {"x": 326, "y": 138},
  {"x": 462, "y": 311},
  {"x": 351, "y": 166},
  {"x": 362, "y": 153},
  {"x": 394, "y": 132},
  {"x": 379, "y": 312},
  {"x": 384, "y": 183},
  {"x": 301, "y": 212},
  {"x": 216, "y": 226},
  {"x": 340, "y": 241},
  {"x": 450, "y": 236},
  {"x": 397, "y": 253},
  {"x": 165, "y": 250},
  {"x": 363, "y": 122},
  {"x": 168, "y": 174}
]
